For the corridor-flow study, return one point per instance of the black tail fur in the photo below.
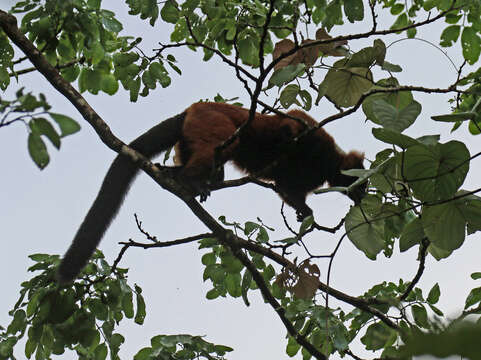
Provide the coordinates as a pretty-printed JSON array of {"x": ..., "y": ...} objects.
[{"x": 111, "y": 195}]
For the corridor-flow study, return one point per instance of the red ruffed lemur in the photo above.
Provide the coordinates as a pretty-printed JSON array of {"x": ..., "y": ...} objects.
[{"x": 264, "y": 148}]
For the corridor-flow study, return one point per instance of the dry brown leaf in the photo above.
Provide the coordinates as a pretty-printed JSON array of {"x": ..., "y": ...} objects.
[
  {"x": 282, "y": 47},
  {"x": 308, "y": 55},
  {"x": 332, "y": 49},
  {"x": 303, "y": 282}
]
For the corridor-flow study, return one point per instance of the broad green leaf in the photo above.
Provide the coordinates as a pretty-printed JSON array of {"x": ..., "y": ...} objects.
[
  {"x": 471, "y": 44},
  {"x": 109, "y": 84},
  {"x": 429, "y": 139},
  {"x": 288, "y": 96},
  {"x": 306, "y": 99},
  {"x": 111, "y": 23},
  {"x": 473, "y": 298},
  {"x": 398, "y": 99},
  {"x": 438, "y": 253},
  {"x": 436, "y": 172},
  {"x": 42, "y": 127},
  {"x": 475, "y": 125},
  {"x": 444, "y": 225},
  {"x": 420, "y": 316},
  {"x": 233, "y": 284},
  {"x": 471, "y": 209},
  {"x": 248, "y": 51},
  {"x": 365, "y": 234},
  {"x": 100, "y": 352},
  {"x": 70, "y": 73},
  {"x": 450, "y": 35},
  {"x": 345, "y": 86},
  {"x": 67, "y": 125},
  {"x": 37, "y": 150},
  {"x": 292, "y": 347},
  {"x": 393, "y": 137},
  {"x": 148, "y": 80},
  {"x": 19, "y": 322},
  {"x": 208, "y": 259},
  {"x": 364, "y": 58},
  {"x": 387, "y": 66},
  {"x": 128, "y": 305},
  {"x": 354, "y": 10},
  {"x": 376, "y": 337},
  {"x": 411, "y": 235},
  {"x": 461, "y": 338},
  {"x": 286, "y": 74},
  {"x": 379, "y": 51},
  {"x": 391, "y": 118}
]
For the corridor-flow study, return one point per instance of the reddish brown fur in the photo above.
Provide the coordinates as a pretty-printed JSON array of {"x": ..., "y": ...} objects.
[{"x": 265, "y": 146}]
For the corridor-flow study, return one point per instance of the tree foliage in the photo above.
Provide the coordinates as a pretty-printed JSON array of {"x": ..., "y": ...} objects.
[{"x": 415, "y": 196}]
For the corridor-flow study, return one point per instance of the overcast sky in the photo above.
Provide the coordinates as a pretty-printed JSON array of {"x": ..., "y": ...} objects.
[{"x": 41, "y": 210}]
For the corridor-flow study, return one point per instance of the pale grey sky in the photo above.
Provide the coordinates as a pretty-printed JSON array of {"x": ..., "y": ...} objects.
[{"x": 41, "y": 210}]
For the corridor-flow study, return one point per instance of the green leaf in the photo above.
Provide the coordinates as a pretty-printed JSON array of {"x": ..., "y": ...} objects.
[
  {"x": 393, "y": 137},
  {"x": 434, "y": 294},
  {"x": 364, "y": 58},
  {"x": 444, "y": 225},
  {"x": 473, "y": 298},
  {"x": 420, "y": 316},
  {"x": 100, "y": 352},
  {"x": 354, "y": 10},
  {"x": 411, "y": 235},
  {"x": 248, "y": 51},
  {"x": 292, "y": 347},
  {"x": 286, "y": 74},
  {"x": 476, "y": 275},
  {"x": 345, "y": 86},
  {"x": 233, "y": 284},
  {"x": 443, "y": 168},
  {"x": 306, "y": 224},
  {"x": 41, "y": 126},
  {"x": 289, "y": 96},
  {"x": 365, "y": 234},
  {"x": 148, "y": 80},
  {"x": 245, "y": 286},
  {"x": 208, "y": 259},
  {"x": 37, "y": 150},
  {"x": 475, "y": 125},
  {"x": 461, "y": 338},
  {"x": 455, "y": 117},
  {"x": 109, "y": 84},
  {"x": 67, "y": 125},
  {"x": 169, "y": 12},
  {"x": 471, "y": 44},
  {"x": 450, "y": 35},
  {"x": 387, "y": 66},
  {"x": 19, "y": 322},
  {"x": 306, "y": 99},
  {"x": 127, "y": 305},
  {"x": 376, "y": 337},
  {"x": 212, "y": 294},
  {"x": 394, "y": 119},
  {"x": 140, "y": 314},
  {"x": 134, "y": 87},
  {"x": 438, "y": 253},
  {"x": 111, "y": 23}
]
